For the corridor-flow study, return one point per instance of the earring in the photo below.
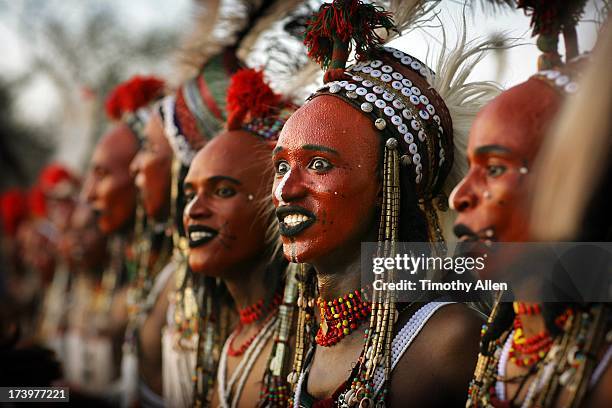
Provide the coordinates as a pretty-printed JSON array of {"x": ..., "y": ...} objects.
[
  {"x": 487, "y": 194},
  {"x": 523, "y": 170},
  {"x": 250, "y": 197}
]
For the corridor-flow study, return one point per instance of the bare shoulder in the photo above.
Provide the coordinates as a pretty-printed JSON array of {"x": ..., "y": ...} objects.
[{"x": 441, "y": 357}]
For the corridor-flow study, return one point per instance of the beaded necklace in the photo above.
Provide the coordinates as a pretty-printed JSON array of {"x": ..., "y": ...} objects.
[
  {"x": 526, "y": 351},
  {"x": 227, "y": 398},
  {"x": 232, "y": 351},
  {"x": 341, "y": 317},
  {"x": 565, "y": 368},
  {"x": 254, "y": 312}
]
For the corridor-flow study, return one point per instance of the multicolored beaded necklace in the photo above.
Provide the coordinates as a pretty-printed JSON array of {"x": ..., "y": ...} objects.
[
  {"x": 250, "y": 314},
  {"x": 527, "y": 351},
  {"x": 340, "y": 317}
]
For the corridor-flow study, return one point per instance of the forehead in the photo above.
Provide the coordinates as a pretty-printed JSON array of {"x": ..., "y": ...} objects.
[
  {"x": 331, "y": 122},
  {"x": 154, "y": 129},
  {"x": 236, "y": 154},
  {"x": 517, "y": 119},
  {"x": 116, "y": 149}
]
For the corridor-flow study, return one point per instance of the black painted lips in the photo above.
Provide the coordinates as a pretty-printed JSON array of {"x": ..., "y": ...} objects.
[
  {"x": 287, "y": 231},
  {"x": 201, "y": 241}
]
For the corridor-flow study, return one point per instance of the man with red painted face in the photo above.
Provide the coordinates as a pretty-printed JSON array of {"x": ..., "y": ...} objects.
[
  {"x": 528, "y": 350},
  {"x": 494, "y": 197},
  {"x": 110, "y": 190},
  {"x": 229, "y": 221},
  {"x": 88, "y": 363},
  {"x": 378, "y": 135},
  {"x": 151, "y": 168},
  {"x": 190, "y": 119},
  {"x": 58, "y": 187}
]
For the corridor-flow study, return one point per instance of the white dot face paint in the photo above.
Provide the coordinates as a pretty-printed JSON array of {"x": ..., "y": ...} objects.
[
  {"x": 278, "y": 193},
  {"x": 188, "y": 206}
]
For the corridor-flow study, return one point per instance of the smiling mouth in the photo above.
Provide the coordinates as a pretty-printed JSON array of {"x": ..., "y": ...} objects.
[
  {"x": 199, "y": 235},
  {"x": 293, "y": 220},
  {"x": 467, "y": 235}
]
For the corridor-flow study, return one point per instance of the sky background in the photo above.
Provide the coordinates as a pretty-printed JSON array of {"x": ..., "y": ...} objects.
[{"x": 38, "y": 101}]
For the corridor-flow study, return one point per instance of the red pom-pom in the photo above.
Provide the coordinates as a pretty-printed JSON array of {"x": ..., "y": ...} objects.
[
  {"x": 248, "y": 94},
  {"x": 56, "y": 177},
  {"x": 13, "y": 210},
  {"x": 132, "y": 95}
]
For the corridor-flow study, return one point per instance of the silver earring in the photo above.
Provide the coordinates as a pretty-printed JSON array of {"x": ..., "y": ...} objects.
[
  {"x": 523, "y": 170},
  {"x": 250, "y": 197}
]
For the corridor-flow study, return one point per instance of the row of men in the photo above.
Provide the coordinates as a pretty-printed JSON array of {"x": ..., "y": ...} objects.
[{"x": 233, "y": 279}]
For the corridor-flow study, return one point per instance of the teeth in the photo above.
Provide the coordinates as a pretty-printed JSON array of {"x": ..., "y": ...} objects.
[
  {"x": 292, "y": 220},
  {"x": 196, "y": 235}
]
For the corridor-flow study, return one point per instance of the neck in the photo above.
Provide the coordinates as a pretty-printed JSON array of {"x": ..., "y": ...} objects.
[
  {"x": 340, "y": 272},
  {"x": 339, "y": 275},
  {"x": 532, "y": 324},
  {"x": 248, "y": 284}
]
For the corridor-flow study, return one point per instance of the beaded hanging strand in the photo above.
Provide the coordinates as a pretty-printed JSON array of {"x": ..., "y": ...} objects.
[
  {"x": 307, "y": 290},
  {"x": 275, "y": 390}
]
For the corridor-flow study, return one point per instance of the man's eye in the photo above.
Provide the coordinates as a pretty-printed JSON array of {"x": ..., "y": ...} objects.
[
  {"x": 495, "y": 170},
  {"x": 320, "y": 165},
  {"x": 189, "y": 197},
  {"x": 225, "y": 192},
  {"x": 282, "y": 168}
]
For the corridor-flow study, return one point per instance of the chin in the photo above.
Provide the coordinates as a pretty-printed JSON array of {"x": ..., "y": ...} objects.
[
  {"x": 299, "y": 251},
  {"x": 203, "y": 264}
]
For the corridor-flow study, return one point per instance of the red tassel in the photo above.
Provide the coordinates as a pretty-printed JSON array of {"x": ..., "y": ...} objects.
[
  {"x": 53, "y": 175},
  {"x": 341, "y": 22},
  {"x": 550, "y": 17},
  {"x": 132, "y": 95},
  {"x": 248, "y": 94}
]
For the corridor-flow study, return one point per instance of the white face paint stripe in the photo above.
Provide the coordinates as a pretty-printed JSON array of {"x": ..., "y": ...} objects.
[{"x": 278, "y": 193}]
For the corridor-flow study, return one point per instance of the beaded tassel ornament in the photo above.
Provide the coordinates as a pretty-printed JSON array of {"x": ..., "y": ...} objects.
[{"x": 275, "y": 390}]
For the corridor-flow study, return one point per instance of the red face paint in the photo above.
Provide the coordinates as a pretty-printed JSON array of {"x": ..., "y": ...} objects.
[
  {"x": 227, "y": 183},
  {"x": 152, "y": 169},
  {"x": 109, "y": 187},
  {"x": 327, "y": 180},
  {"x": 492, "y": 199}
]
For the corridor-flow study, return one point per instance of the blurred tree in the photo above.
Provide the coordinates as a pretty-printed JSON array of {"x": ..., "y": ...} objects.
[
  {"x": 84, "y": 48},
  {"x": 22, "y": 150}
]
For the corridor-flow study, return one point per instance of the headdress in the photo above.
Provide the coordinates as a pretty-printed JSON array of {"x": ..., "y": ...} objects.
[
  {"x": 423, "y": 118},
  {"x": 13, "y": 210},
  {"x": 130, "y": 102},
  {"x": 197, "y": 111},
  {"x": 253, "y": 106},
  {"x": 56, "y": 181},
  {"x": 225, "y": 34},
  {"x": 549, "y": 19}
]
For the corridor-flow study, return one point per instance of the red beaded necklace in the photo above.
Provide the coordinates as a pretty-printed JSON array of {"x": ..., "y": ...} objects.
[
  {"x": 526, "y": 351},
  {"x": 250, "y": 314},
  {"x": 340, "y": 317}
]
